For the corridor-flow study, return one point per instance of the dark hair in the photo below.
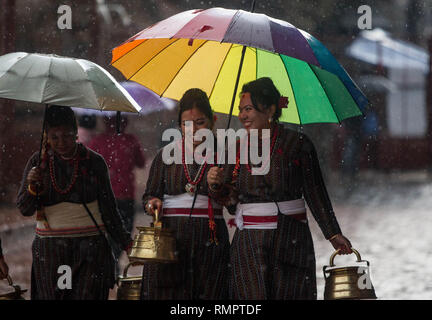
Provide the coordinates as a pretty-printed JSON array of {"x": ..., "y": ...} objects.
[
  {"x": 195, "y": 98},
  {"x": 57, "y": 116},
  {"x": 264, "y": 93},
  {"x": 87, "y": 121}
]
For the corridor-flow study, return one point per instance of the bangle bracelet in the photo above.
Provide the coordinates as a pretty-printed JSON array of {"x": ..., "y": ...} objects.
[
  {"x": 334, "y": 237},
  {"x": 30, "y": 190}
]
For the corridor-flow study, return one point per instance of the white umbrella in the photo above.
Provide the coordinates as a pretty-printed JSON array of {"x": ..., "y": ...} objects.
[
  {"x": 56, "y": 80},
  {"x": 379, "y": 48},
  {"x": 52, "y": 79}
]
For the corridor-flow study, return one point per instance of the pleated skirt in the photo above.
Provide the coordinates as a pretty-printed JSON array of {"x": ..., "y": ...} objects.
[
  {"x": 201, "y": 272},
  {"x": 274, "y": 264},
  {"x": 91, "y": 268}
]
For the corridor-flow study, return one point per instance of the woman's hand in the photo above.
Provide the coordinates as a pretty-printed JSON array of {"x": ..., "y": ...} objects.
[
  {"x": 4, "y": 269},
  {"x": 215, "y": 176},
  {"x": 34, "y": 179},
  {"x": 341, "y": 243},
  {"x": 152, "y": 205}
]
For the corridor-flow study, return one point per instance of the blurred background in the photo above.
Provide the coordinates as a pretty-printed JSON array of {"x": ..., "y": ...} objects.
[{"x": 377, "y": 168}]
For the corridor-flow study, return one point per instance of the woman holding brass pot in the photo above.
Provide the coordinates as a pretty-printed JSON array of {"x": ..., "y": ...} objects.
[
  {"x": 201, "y": 234},
  {"x": 272, "y": 254}
]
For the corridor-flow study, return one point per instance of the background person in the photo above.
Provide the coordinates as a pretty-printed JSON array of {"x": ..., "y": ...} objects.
[
  {"x": 123, "y": 153},
  {"x": 86, "y": 128}
]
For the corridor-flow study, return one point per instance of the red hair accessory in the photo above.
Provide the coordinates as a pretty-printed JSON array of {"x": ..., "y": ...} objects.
[{"x": 283, "y": 102}]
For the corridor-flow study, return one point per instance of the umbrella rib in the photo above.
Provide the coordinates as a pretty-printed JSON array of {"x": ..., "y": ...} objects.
[
  {"x": 178, "y": 71},
  {"x": 152, "y": 58},
  {"x": 256, "y": 63},
  {"x": 325, "y": 91},
  {"x": 100, "y": 105},
  {"x": 128, "y": 51},
  {"x": 49, "y": 71},
  {"x": 220, "y": 69},
  {"x": 292, "y": 88}
]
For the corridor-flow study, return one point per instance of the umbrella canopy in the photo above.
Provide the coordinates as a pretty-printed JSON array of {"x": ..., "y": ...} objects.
[
  {"x": 207, "y": 48},
  {"x": 52, "y": 79},
  {"x": 148, "y": 101}
]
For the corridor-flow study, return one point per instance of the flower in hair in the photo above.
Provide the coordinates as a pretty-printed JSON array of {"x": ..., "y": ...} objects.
[{"x": 283, "y": 102}]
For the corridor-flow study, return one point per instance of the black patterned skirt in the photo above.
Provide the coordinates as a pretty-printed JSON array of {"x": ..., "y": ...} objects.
[
  {"x": 276, "y": 264},
  {"x": 202, "y": 270},
  {"x": 91, "y": 264}
]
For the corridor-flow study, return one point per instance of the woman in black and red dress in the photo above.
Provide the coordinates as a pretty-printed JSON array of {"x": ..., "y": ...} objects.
[
  {"x": 68, "y": 240},
  {"x": 272, "y": 255},
  {"x": 201, "y": 234}
]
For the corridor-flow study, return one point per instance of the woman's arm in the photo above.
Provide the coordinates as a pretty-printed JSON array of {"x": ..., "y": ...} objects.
[
  {"x": 221, "y": 187},
  {"x": 155, "y": 187},
  {"x": 26, "y": 200},
  {"x": 315, "y": 191}
]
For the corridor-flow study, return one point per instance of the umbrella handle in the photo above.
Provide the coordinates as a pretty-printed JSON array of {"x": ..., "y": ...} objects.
[{"x": 118, "y": 121}]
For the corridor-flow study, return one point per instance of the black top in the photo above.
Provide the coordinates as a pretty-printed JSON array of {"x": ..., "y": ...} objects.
[{"x": 92, "y": 184}]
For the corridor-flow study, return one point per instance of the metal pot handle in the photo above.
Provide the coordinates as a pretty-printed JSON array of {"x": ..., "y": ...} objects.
[
  {"x": 156, "y": 222},
  {"x": 337, "y": 252},
  {"x": 16, "y": 288},
  {"x": 9, "y": 279},
  {"x": 130, "y": 264}
]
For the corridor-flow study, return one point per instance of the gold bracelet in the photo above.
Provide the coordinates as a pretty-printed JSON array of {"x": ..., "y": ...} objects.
[
  {"x": 30, "y": 190},
  {"x": 334, "y": 237}
]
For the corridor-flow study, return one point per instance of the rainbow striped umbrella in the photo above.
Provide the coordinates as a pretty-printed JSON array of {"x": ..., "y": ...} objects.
[{"x": 218, "y": 49}]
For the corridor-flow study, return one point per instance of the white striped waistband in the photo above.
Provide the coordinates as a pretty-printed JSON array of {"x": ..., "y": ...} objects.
[
  {"x": 264, "y": 215},
  {"x": 180, "y": 205}
]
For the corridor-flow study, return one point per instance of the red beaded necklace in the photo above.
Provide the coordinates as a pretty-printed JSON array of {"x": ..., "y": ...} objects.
[
  {"x": 190, "y": 186},
  {"x": 237, "y": 166},
  {"x": 75, "y": 161}
]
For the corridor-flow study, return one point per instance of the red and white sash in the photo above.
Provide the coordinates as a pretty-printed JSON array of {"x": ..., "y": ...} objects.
[
  {"x": 180, "y": 206},
  {"x": 264, "y": 215}
]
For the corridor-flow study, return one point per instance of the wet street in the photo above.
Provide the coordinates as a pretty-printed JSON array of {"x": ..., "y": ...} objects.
[{"x": 387, "y": 218}]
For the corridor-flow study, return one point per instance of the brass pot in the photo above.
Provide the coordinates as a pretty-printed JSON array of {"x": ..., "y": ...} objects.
[
  {"x": 154, "y": 244},
  {"x": 351, "y": 282},
  {"x": 129, "y": 288},
  {"x": 16, "y": 294}
]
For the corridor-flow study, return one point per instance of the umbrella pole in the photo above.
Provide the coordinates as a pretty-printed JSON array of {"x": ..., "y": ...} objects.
[
  {"x": 233, "y": 97},
  {"x": 118, "y": 122},
  {"x": 238, "y": 76},
  {"x": 42, "y": 136},
  {"x": 38, "y": 202},
  {"x": 236, "y": 86}
]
